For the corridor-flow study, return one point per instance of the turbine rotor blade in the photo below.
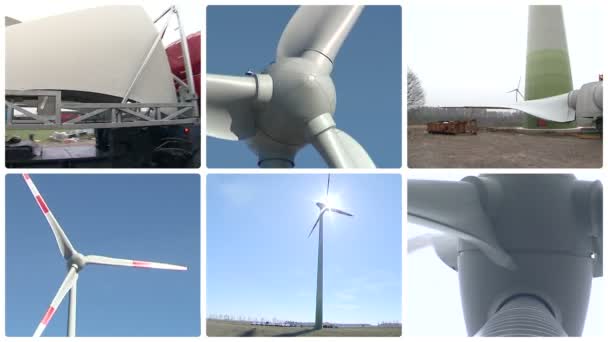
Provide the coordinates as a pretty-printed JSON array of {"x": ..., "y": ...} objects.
[
  {"x": 455, "y": 208},
  {"x": 66, "y": 285},
  {"x": 340, "y": 211},
  {"x": 316, "y": 223},
  {"x": 419, "y": 242},
  {"x": 102, "y": 260},
  {"x": 317, "y": 28},
  {"x": 554, "y": 108},
  {"x": 327, "y": 191},
  {"x": 340, "y": 150},
  {"x": 230, "y": 102},
  {"x": 445, "y": 246},
  {"x": 65, "y": 247}
]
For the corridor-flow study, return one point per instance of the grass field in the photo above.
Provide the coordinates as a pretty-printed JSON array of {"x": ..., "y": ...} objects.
[
  {"x": 40, "y": 135},
  {"x": 217, "y": 328}
]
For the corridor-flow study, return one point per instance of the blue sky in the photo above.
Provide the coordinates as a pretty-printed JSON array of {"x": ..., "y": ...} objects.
[
  {"x": 143, "y": 217},
  {"x": 260, "y": 262},
  {"x": 367, "y": 75}
]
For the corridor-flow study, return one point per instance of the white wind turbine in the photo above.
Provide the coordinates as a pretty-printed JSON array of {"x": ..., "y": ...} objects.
[
  {"x": 76, "y": 263},
  {"x": 517, "y": 91},
  {"x": 324, "y": 207},
  {"x": 292, "y": 103}
]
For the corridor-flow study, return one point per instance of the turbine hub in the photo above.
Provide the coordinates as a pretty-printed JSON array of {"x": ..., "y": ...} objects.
[
  {"x": 302, "y": 91},
  {"x": 77, "y": 260}
]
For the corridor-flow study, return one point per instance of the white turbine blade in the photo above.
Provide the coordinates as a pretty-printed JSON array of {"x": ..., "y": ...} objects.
[
  {"x": 340, "y": 150},
  {"x": 419, "y": 242},
  {"x": 317, "y": 28},
  {"x": 102, "y": 260},
  {"x": 454, "y": 208},
  {"x": 356, "y": 153},
  {"x": 66, "y": 285},
  {"x": 229, "y": 106},
  {"x": 445, "y": 247},
  {"x": 90, "y": 52},
  {"x": 65, "y": 247},
  {"x": 340, "y": 211},
  {"x": 316, "y": 223},
  {"x": 554, "y": 108}
]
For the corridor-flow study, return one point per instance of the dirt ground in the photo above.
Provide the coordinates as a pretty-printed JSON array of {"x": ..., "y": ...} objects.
[{"x": 501, "y": 150}]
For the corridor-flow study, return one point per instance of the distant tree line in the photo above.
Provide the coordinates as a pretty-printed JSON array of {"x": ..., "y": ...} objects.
[
  {"x": 485, "y": 118},
  {"x": 390, "y": 324},
  {"x": 286, "y": 323}
]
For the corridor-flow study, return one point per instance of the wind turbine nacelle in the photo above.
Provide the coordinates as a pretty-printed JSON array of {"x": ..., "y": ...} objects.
[
  {"x": 302, "y": 91},
  {"x": 78, "y": 260},
  {"x": 551, "y": 226},
  {"x": 588, "y": 101}
]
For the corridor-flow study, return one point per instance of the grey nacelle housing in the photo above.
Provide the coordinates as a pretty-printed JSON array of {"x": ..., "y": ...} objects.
[
  {"x": 588, "y": 101},
  {"x": 551, "y": 226}
]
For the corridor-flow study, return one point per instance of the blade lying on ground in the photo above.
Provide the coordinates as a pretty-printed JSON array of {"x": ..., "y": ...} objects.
[
  {"x": 454, "y": 208},
  {"x": 68, "y": 282},
  {"x": 102, "y": 260},
  {"x": 229, "y": 101},
  {"x": 553, "y": 108},
  {"x": 317, "y": 28},
  {"x": 65, "y": 247}
]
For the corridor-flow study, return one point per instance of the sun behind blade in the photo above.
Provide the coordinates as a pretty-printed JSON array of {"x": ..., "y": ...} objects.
[{"x": 102, "y": 260}]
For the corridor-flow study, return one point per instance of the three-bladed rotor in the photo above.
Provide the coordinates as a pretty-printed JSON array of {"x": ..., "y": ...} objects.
[
  {"x": 292, "y": 102},
  {"x": 325, "y": 207},
  {"x": 76, "y": 261}
]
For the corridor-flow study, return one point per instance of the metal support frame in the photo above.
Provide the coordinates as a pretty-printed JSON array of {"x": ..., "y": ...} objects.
[
  {"x": 186, "y": 54},
  {"x": 94, "y": 115}
]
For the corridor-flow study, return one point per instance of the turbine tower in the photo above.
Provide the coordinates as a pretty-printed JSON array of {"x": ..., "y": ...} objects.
[
  {"x": 324, "y": 207},
  {"x": 525, "y": 247},
  {"x": 76, "y": 262},
  {"x": 547, "y": 59},
  {"x": 548, "y": 93}
]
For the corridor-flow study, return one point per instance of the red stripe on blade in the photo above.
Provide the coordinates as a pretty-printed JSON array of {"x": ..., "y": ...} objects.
[
  {"x": 26, "y": 176},
  {"x": 42, "y": 205},
  {"x": 140, "y": 263},
  {"x": 48, "y": 315}
]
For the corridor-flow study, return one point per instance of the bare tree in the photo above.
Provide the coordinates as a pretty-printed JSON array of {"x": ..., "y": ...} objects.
[{"x": 415, "y": 92}]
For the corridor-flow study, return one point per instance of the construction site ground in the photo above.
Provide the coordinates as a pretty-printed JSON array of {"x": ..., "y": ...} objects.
[{"x": 502, "y": 149}]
